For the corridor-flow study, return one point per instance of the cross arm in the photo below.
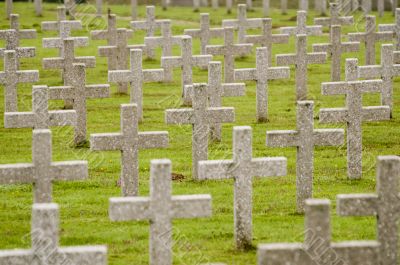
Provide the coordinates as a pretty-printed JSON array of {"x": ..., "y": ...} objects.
[
  {"x": 17, "y": 256},
  {"x": 283, "y": 253},
  {"x": 179, "y": 116},
  {"x": 70, "y": 170},
  {"x": 201, "y": 60},
  {"x": 316, "y": 57},
  {"x": 286, "y": 59},
  {"x": 288, "y": 30},
  {"x": 328, "y": 137},
  {"x": 245, "y": 74},
  {"x": 278, "y": 73},
  {"x": 148, "y": 140},
  {"x": 216, "y": 169},
  {"x": 107, "y": 51},
  {"x": 24, "y": 52},
  {"x": 384, "y": 35},
  {"x": 376, "y": 113},
  {"x": 387, "y": 27},
  {"x": 230, "y": 23},
  {"x": 61, "y": 92},
  {"x": 280, "y": 38},
  {"x": 357, "y": 36},
  {"x": 2, "y": 78},
  {"x": 153, "y": 75},
  {"x": 194, "y": 33},
  {"x": 191, "y": 206},
  {"x": 106, "y": 142},
  {"x": 58, "y": 42},
  {"x": 50, "y": 25},
  {"x": 97, "y": 91},
  {"x": 314, "y": 30},
  {"x": 153, "y": 42},
  {"x": 89, "y": 61},
  {"x": 53, "y": 63},
  {"x": 139, "y": 25},
  {"x": 19, "y": 120},
  {"x": 370, "y": 71},
  {"x": 129, "y": 208},
  {"x": 120, "y": 76},
  {"x": 357, "y": 204},
  {"x": 28, "y": 76},
  {"x": 85, "y": 255},
  {"x": 348, "y": 20},
  {"x": 27, "y": 34},
  {"x": 256, "y": 39},
  {"x": 62, "y": 117},
  {"x": 215, "y": 49},
  {"x": 322, "y": 47},
  {"x": 220, "y": 115},
  {"x": 350, "y": 46},
  {"x": 216, "y": 32},
  {"x": 282, "y": 138},
  {"x": 335, "y": 88},
  {"x": 171, "y": 61},
  {"x": 242, "y": 48},
  {"x": 99, "y": 34},
  {"x": 322, "y": 21},
  {"x": 357, "y": 252},
  {"x": 334, "y": 115},
  {"x": 268, "y": 166},
  {"x": 233, "y": 89},
  {"x": 16, "y": 173},
  {"x": 396, "y": 57}
]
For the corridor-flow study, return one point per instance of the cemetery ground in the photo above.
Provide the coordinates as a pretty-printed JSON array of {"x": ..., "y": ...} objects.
[{"x": 84, "y": 204}]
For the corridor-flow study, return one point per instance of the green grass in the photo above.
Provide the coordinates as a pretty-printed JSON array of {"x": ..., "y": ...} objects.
[{"x": 84, "y": 204}]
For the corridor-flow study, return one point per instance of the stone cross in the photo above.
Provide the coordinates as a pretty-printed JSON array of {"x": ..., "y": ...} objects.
[
  {"x": 9, "y": 8},
  {"x": 129, "y": 141},
  {"x": 395, "y": 28},
  {"x": 201, "y": 117},
  {"x": 266, "y": 7},
  {"x": 366, "y": 6},
  {"x": 38, "y": 7},
  {"x": 136, "y": 76},
  {"x": 242, "y": 168},
  {"x": 395, "y": 4},
  {"x": 134, "y": 8},
  {"x": 267, "y": 38},
  {"x": 318, "y": 247},
  {"x": 45, "y": 247},
  {"x": 205, "y": 33},
  {"x": 186, "y": 62},
  {"x": 118, "y": 55},
  {"x": 11, "y": 77},
  {"x": 150, "y": 25},
  {"x": 284, "y": 7},
  {"x": 335, "y": 18},
  {"x": 109, "y": 34},
  {"x": 384, "y": 205},
  {"x": 301, "y": 27},
  {"x": 354, "y": 113},
  {"x": 78, "y": 92},
  {"x": 320, "y": 6},
  {"x": 305, "y": 138},
  {"x": 335, "y": 49},
  {"x": 242, "y": 23},
  {"x": 301, "y": 59},
  {"x": 229, "y": 50},
  {"x": 303, "y": 5},
  {"x": 370, "y": 38},
  {"x": 42, "y": 171},
  {"x": 216, "y": 90},
  {"x": 160, "y": 209},
  {"x": 40, "y": 117},
  {"x": 262, "y": 74},
  {"x": 386, "y": 71},
  {"x": 166, "y": 42},
  {"x": 381, "y": 7},
  {"x": 229, "y": 4}
]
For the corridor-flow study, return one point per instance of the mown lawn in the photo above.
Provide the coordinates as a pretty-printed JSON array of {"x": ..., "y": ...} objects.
[{"x": 84, "y": 204}]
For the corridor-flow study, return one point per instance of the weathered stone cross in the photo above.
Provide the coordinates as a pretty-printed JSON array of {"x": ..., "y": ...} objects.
[
  {"x": 305, "y": 138},
  {"x": 262, "y": 74},
  {"x": 40, "y": 117},
  {"x": 335, "y": 49},
  {"x": 242, "y": 168},
  {"x": 129, "y": 141},
  {"x": 78, "y": 92},
  {"x": 205, "y": 33},
  {"x": 136, "y": 76},
  {"x": 301, "y": 60},
  {"x": 201, "y": 117},
  {"x": 386, "y": 71},
  {"x": 267, "y": 38},
  {"x": 45, "y": 247},
  {"x": 335, "y": 18},
  {"x": 354, "y": 113},
  {"x": 384, "y": 205},
  {"x": 118, "y": 55},
  {"x": 160, "y": 209},
  {"x": 186, "y": 62},
  {"x": 229, "y": 50},
  {"x": 10, "y": 79},
  {"x": 110, "y": 34},
  {"x": 301, "y": 27},
  {"x": 42, "y": 171},
  {"x": 166, "y": 42},
  {"x": 150, "y": 25},
  {"x": 318, "y": 247},
  {"x": 395, "y": 28},
  {"x": 370, "y": 37}
]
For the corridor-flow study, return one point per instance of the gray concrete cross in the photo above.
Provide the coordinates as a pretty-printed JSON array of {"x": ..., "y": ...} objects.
[
  {"x": 301, "y": 27},
  {"x": 395, "y": 28},
  {"x": 335, "y": 18},
  {"x": 160, "y": 209},
  {"x": 242, "y": 168},
  {"x": 129, "y": 141},
  {"x": 305, "y": 138}
]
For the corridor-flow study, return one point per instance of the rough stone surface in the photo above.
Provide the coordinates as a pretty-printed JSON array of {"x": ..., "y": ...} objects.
[
  {"x": 166, "y": 42},
  {"x": 201, "y": 117},
  {"x": 186, "y": 62},
  {"x": 242, "y": 169},
  {"x": 320, "y": 6},
  {"x": 109, "y": 34},
  {"x": 301, "y": 60},
  {"x": 242, "y": 23},
  {"x": 354, "y": 113},
  {"x": 335, "y": 49},
  {"x": 305, "y": 138},
  {"x": 160, "y": 209},
  {"x": 381, "y": 7},
  {"x": 150, "y": 25},
  {"x": 205, "y": 33},
  {"x": 262, "y": 74},
  {"x": 267, "y": 38},
  {"x": 229, "y": 50},
  {"x": 395, "y": 28},
  {"x": 129, "y": 141},
  {"x": 9, "y": 8},
  {"x": 45, "y": 247},
  {"x": 78, "y": 93},
  {"x": 383, "y": 205},
  {"x": 301, "y": 27},
  {"x": 42, "y": 171},
  {"x": 136, "y": 76},
  {"x": 303, "y": 5},
  {"x": 318, "y": 247},
  {"x": 370, "y": 37},
  {"x": 11, "y": 77},
  {"x": 335, "y": 18}
]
